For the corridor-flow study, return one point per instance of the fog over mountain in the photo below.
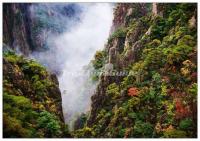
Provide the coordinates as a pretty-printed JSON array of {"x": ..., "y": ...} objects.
[{"x": 72, "y": 48}]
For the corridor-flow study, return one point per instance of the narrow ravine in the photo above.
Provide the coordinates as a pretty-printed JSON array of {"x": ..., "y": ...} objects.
[
  {"x": 80, "y": 45},
  {"x": 73, "y": 49},
  {"x": 100, "y": 70}
]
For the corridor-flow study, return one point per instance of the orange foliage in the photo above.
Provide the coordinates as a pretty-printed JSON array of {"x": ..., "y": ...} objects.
[
  {"x": 133, "y": 91},
  {"x": 181, "y": 110}
]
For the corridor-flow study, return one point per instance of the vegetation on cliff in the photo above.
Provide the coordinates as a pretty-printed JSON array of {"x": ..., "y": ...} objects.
[
  {"x": 154, "y": 44},
  {"x": 159, "y": 96},
  {"x": 31, "y": 99}
]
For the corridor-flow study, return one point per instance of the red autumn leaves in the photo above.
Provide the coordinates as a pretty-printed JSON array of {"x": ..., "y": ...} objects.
[
  {"x": 133, "y": 91},
  {"x": 181, "y": 110}
]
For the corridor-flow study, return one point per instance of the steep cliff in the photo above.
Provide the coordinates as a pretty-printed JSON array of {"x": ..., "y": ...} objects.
[
  {"x": 16, "y": 27},
  {"x": 32, "y": 104},
  {"x": 28, "y": 26},
  {"x": 151, "y": 90},
  {"x": 147, "y": 87}
]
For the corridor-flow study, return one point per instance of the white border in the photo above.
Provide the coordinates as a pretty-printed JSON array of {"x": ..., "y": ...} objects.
[{"x": 116, "y": 1}]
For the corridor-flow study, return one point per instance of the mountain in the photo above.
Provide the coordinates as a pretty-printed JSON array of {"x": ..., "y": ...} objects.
[
  {"x": 156, "y": 45},
  {"x": 147, "y": 85}
]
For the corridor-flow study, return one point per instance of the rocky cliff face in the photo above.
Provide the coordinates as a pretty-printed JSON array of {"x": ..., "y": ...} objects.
[
  {"x": 16, "y": 27},
  {"x": 156, "y": 44},
  {"x": 124, "y": 13},
  {"x": 27, "y": 27}
]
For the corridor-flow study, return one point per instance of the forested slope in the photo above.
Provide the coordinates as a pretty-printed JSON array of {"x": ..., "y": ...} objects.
[
  {"x": 157, "y": 45},
  {"x": 32, "y": 104}
]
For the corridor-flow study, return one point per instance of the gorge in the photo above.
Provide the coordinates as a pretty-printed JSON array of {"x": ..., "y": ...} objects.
[{"x": 55, "y": 63}]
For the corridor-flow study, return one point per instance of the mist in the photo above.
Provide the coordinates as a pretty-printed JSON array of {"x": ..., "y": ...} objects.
[{"x": 71, "y": 51}]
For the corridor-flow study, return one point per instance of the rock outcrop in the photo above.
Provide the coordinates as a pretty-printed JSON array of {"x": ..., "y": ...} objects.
[{"x": 126, "y": 12}]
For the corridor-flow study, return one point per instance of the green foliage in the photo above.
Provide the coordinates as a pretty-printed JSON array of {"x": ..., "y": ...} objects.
[
  {"x": 193, "y": 90},
  {"x": 80, "y": 121},
  {"x": 152, "y": 58},
  {"x": 22, "y": 104},
  {"x": 49, "y": 123},
  {"x": 101, "y": 114},
  {"x": 134, "y": 101},
  {"x": 18, "y": 116},
  {"x": 38, "y": 85},
  {"x": 118, "y": 33},
  {"x": 31, "y": 67},
  {"x": 13, "y": 127},
  {"x": 98, "y": 62},
  {"x": 177, "y": 53},
  {"x": 99, "y": 59},
  {"x": 154, "y": 43},
  {"x": 127, "y": 81},
  {"x": 143, "y": 129},
  {"x": 176, "y": 15},
  {"x": 86, "y": 132},
  {"x": 122, "y": 132},
  {"x": 18, "y": 101},
  {"x": 10, "y": 56},
  {"x": 173, "y": 133},
  {"x": 159, "y": 28},
  {"x": 185, "y": 124},
  {"x": 132, "y": 115},
  {"x": 187, "y": 40},
  {"x": 113, "y": 91}
]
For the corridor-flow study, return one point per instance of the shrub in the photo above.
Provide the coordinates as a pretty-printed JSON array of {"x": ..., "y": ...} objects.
[
  {"x": 86, "y": 132},
  {"x": 134, "y": 101},
  {"x": 132, "y": 115},
  {"x": 175, "y": 16},
  {"x": 31, "y": 68},
  {"x": 11, "y": 57},
  {"x": 153, "y": 58},
  {"x": 143, "y": 129},
  {"x": 154, "y": 43},
  {"x": 13, "y": 127},
  {"x": 187, "y": 40},
  {"x": 119, "y": 33},
  {"x": 177, "y": 54},
  {"x": 99, "y": 59},
  {"x": 185, "y": 124},
  {"x": 159, "y": 28},
  {"x": 17, "y": 101},
  {"x": 113, "y": 91},
  {"x": 173, "y": 133},
  {"x": 193, "y": 90},
  {"x": 18, "y": 116},
  {"x": 122, "y": 132},
  {"x": 49, "y": 123}
]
